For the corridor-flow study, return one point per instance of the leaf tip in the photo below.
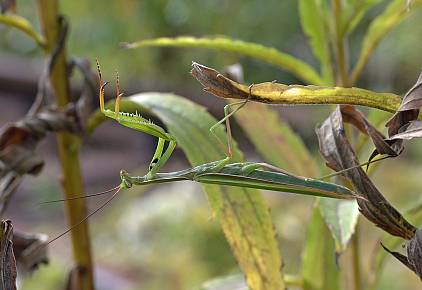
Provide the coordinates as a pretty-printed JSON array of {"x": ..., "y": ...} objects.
[{"x": 126, "y": 45}]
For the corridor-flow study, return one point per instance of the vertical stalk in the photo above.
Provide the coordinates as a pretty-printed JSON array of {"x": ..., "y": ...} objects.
[
  {"x": 343, "y": 80},
  {"x": 68, "y": 148},
  {"x": 341, "y": 59},
  {"x": 357, "y": 275}
]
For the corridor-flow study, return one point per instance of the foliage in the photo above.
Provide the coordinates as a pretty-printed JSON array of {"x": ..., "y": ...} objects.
[
  {"x": 325, "y": 36},
  {"x": 243, "y": 213}
]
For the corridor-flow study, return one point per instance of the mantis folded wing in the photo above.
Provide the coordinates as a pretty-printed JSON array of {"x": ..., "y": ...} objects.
[{"x": 245, "y": 174}]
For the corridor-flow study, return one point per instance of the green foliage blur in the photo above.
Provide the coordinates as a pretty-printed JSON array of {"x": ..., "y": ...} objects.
[{"x": 178, "y": 247}]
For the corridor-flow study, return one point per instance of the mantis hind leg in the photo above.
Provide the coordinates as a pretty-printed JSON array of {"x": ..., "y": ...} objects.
[{"x": 227, "y": 114}]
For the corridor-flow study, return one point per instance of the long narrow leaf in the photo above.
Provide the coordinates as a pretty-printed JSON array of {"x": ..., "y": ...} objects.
[
  {"x": 275, "y": 93},
  {"x": 354, "y": 10},
  {"x": 312, "y": 20},
  {"x": 319, "y": 268},
  {"x": 23, "y": 25},
  {"x": 257, "y": 51}
]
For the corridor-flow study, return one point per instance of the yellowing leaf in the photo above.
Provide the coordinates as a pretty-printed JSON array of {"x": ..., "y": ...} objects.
[{"x": 275, "y": 93}]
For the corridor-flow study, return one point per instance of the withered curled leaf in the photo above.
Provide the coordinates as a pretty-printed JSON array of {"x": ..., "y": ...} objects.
[
  {"x": 408, "y": 110},
  {"x": 339, "y": 155},
  {"x": 18, "y": 142},
  {"x": 30, "y": 251},
  {"x": 382, "y": 146},
  {"x": 7, "y": 263},
  {"x": 414, "y": 254},
  {"x": 414, "y": 130}
]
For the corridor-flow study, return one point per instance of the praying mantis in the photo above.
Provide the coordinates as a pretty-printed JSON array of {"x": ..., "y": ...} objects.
[
  {"x": 257, "y": 175},
  {"x": 224, "y": 172}
]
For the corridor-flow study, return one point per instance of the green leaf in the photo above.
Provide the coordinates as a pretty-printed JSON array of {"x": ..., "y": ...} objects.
[
  {"x": 319, "y": 268},
  {"x": 353, "y": 11},
  {"x": 313, "y": 24},
  {"x": 392, "y": 16},
  {"x": 341, "y": 217},
  {"x": 257, "y": 51},
  {"x": 242, "y": 212},
  {"x": 23, "y": 25}
]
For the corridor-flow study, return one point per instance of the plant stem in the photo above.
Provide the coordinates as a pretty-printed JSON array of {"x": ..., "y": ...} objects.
[
  {"x": 341, "y": 59},
  {"x": 293, "y": 281},
  {"x": 357, "y": 275},
  {"x": 68, "y": 147}
]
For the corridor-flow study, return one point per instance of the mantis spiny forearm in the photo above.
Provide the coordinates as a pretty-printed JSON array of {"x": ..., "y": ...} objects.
[{"x": 137, "y": 122}]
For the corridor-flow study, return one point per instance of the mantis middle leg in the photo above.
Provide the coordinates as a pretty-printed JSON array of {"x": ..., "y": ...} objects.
[{"x": 227, "y": 114}]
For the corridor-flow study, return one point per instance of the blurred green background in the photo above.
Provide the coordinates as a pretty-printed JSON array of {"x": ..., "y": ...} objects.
[{"x": 165, "y": 237}]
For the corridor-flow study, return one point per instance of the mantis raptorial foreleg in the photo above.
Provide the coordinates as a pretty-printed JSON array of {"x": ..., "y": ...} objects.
[
  {"x": 159, "y": 158},
  {"x": 137, "y": 122}
]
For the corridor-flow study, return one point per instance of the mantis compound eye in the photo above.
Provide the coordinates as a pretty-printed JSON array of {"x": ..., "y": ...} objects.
[{"x": 125, "y": 178}]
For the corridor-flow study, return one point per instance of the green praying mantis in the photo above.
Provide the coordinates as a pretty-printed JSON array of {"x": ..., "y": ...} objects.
[{"x": 222, "y": 172}]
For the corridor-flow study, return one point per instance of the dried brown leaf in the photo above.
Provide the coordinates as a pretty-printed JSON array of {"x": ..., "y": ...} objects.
[
  {"x": 408, "y": 110},
  {"x": 399, "y": 256},
  {"x": 414, "y": 130},
  {"x": 414, "y": 254},
  {"x": 30, "y": 251},
  {"x": 339, "y": 155},
  {"x": 18, "y": 142},
  {"x": 356, "y": 118},
  {"x": 7, "y": 263}
]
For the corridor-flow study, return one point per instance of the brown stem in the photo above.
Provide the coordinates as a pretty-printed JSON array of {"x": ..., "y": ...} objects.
[{"x": 67, "y": 146}]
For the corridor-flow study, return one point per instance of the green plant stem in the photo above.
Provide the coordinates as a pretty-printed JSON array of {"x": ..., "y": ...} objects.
[
  {"x": 342, "y": 80},
  {"x": 68, "y": 147},
  {"x": 340, "y": 53},
  {"x": 357, "y": 274},
  {"x": 23, "y": 25}
]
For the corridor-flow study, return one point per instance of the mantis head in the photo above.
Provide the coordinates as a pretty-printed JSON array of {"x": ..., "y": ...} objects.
[{"x": 126, "y": 180}]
